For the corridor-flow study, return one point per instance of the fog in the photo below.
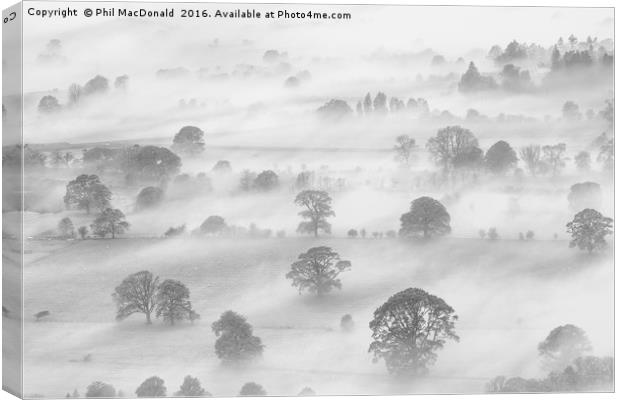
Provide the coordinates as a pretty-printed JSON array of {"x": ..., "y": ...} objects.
[{"x": 508, "y": 293}]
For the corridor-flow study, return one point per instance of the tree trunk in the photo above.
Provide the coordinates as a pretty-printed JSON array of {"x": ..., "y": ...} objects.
[{"x": 148, "y": 318}]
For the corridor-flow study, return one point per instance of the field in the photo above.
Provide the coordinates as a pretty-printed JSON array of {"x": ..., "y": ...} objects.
[{"x": 505, "y": 308}]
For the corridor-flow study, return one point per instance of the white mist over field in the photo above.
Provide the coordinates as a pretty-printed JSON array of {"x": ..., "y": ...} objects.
[{"x": 508, "y": 293}]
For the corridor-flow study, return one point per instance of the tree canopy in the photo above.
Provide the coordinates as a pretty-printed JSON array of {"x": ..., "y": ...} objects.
[
  {"x": 317, "y": 270},
  {"x": 588, "y": 230},
  {"x": 317, "y": 208},
  {"x": 426, "y": 217},
  {"x": 136, "y": 294}
]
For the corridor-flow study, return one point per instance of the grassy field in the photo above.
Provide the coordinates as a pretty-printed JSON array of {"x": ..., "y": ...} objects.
[{"x": 508, "y": 295}]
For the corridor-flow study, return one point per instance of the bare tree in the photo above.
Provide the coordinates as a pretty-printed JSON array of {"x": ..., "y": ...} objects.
[{"x": 404, "y": 149}]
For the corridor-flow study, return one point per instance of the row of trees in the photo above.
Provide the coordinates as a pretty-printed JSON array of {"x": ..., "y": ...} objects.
[{"x": 76, "y": 93}]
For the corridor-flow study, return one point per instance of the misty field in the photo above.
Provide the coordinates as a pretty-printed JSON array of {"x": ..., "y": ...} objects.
[{"x": 505, "y": 308}]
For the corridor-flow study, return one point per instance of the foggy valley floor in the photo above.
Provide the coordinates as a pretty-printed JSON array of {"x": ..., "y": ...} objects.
[{"x": 507, "y": 294}]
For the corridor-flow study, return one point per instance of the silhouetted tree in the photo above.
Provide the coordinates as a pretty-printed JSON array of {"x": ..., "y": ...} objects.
[
  {"x": 408, "y": 329},
  {"x": 236, "y": 342},
  {"x": 606, "y": 155},
  {"x": 346, "y": 323},
  {"x": 191, "y": 388},
  {"x": 492, "y": 234},
  {"x": 307, "y": 391},
  {"x": 427, "y": 217},
  {"x": 66, "y": 228},
  {"x": 317, "y": 270},
  {"x": 252, "y": 389},
  {"x": 172, "y": 301},
  {"x": 554, "y": 157},
  {"x": 136, "y": 294},
  {"x": 317, "y": 204},
  {"x": 266, "y": 181},
  {"x": 563, "y": 344},
  {"x": 246, "y": 182},
  {"x": 450, "y": 143},
  {"x": 380, "y": 103},
  {"x": 500, "y": 158},
  {"x": 100, "y": 389},
  {"x": 175, "y": 231},
  {"x": 334, "y": 110},
  {"x": 352, "y": 233},
  {"x": 87, "y": 192},
  {"x": 189, "y": 140},
  {"x": 472, "y": 80},
  {"x": 149, "y": 197},
  {"x": 588, "y": 230},
  {"x": 75, "y": 93},
  {"x": 49, "y": 104},
  {"x": 367, "y": 104},
  {"x": 531, "y": 157},
  {"x": 404, "y": 148},
  {"x": 150, "y": 163},
  {"x": 110, "y": 221},
  {"x": 152, "y": 387},
  {"x": 222, "y": 166},
  {"x": 98, "y": 84},
  {"x": 83, "y": 231},
  {"x": 213, "y": 225}
]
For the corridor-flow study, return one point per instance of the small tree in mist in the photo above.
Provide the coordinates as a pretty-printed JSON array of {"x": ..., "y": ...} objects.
[
  {"x": 451, "y": 144},
  {"x": 426, "y": 217},
  {"x": 75, "y": 94},
  {"x": 367, "y": 104},
  {"x": 335, "y": 110},
  {"x": 585, "y": 195},
  {"x": 588, "y": 230},
  {"x": 121, "y": 82},
  {"x": 404, "y": 149},
  {"x": 136, "y": 294},
  {"x": 482, "y": 233},
  {"x": 149, "y": 197},
  {"x": 307, "y": 391},
  {"x": 531, "y": 157},
  {"x": 380, "y": 103},
  {"x": 570, "y": 111},
  {"x": 222, "y": 167},
  {"x": 408, "y": 329},
  {"x": 152, "y": 387},
  {"x": 49, "y": 104},
  {"x": 172, "y": 301},
  {"x": 606, "y": 155},
  {"x": 100, "y": 389},
  {"x": 98, "y": 84},
  {"x": 213, "y": 225},
  {"x": 317, "y": 208},
  {"x": 66, "y": 228},
  {"x": 317, "y": 270},
  {"x": 352, "y": 233},
  {"x": 83, "y": 231},
  {"x": 529, "y": 235},
  {"x": 583, "y": 161},
  {"x": 492, "y": 234},
  {"x": 554, "y": 157},
  {"x": 266, "y": 181},
  {"x": 500, "y": 158},
  {"x": 110, "y": 222},
  {"x": 191, "y": 388},
  {"x": 175, "y": 231},
  {"x": 236, "y": 342},
  {"x": 563, "y": 344},
  {"x": 189, "y": 140},
  {"x": 346, "y": 323},
  {"x": 149, "y": 163},
  {"x": 246, "y": 181},
  {"x": 252, "y": 389},
  {"x": 87, "y": 192}
]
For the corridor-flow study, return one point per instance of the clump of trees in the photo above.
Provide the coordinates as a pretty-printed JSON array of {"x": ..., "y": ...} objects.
[
  {"x": 585, "y": 195},
  {"x": 235, "y": 343},
  {"x": 100, "y": 389},
  {"x": 252, "y": 389},
  {"x": 427, "y": 218},
  {"x": 317, "y": 270},
  {"x": 473, "y": 81},
  {"x": 189, "y": 140},
  {"x": 588, "y": 230},
  {"x": 149, "y": 197},
  {"x": 175, "y": 231},
  {"x": 87, "y": 192},
  {"x": 191, "y": 388},
  {"x": 214, "y": 225},
  {"x": 148, "y": 163},
  {"x": 408, "y": 329},
  {"x": 109, "y": 222},
  {"x": 317, "y": 208},
  {"x": 334, "y": 110},
  {"x": 454, "y": 147}
]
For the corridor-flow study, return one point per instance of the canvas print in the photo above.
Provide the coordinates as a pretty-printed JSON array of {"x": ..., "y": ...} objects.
[{"x": 218, "y": 199}]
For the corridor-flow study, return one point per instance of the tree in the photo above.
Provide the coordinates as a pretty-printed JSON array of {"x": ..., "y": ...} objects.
[
  {"x": 346, "y": 323},
  {"x": 426, "y": 216},
  {"x": 213, "y": 225},
  {"x": 75, "y": 93},
  {"x": 189, "y": 140},
  {"x": 585, "y": 195},
  {"x": 246, "y": 182},
  {"x": 606, "y": 155},
  {"x": 492, "y": 234},
  {"x": 191, "y": 388},
  {"x": 317, "y": 270},
  {"x": 121, "y": 82},
  {"x": 252, "y": 389},
  {"x": 352, "y": 233},
  {"x": 403, "y": 149},
  {"x": 172, "y": 301},
  {"x": 450, "y": 143},
  {"x": 100, "y": 389},
  {"x": 98, "y": 84},
  {"x": 570, "y": 111},
  {"x": 588, "y": 230},
  {"x": 529, "y": 235},
  {"x": 87, "y": 192},
  {"x": 66, "y": 228},
  {"x": 175, "y": 231},
  {"x": 307, "y": 391},
  {"x": 109, "y": 221},
  {"x": 554, "y": 157},
  {"x": 473, "y": 81},
  {"x": 531, "y": 157},
  {"x": 222, "y": 166},
  {"x": 563, "y": 344},
  {"x": 152, "y": 387},
  {"x": 408, "y": 329},
  {"x": 49, "y": 104},
  {"x": 556, "y": 59},
  {"x": 149, "y": 197},
  {"x": 236, "y": 342},
  {"x": 334, "y": 110},
  {"x": 83, "y": 231},
  {"x": 582, "y": 161},
  {"x": 380, "y": 103},
  {"x": 317, "y": 204},
  {"x": 500, "y": 158},
  {"x": 266, "y": 181},
  {"x": 136, "y": 294}
]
